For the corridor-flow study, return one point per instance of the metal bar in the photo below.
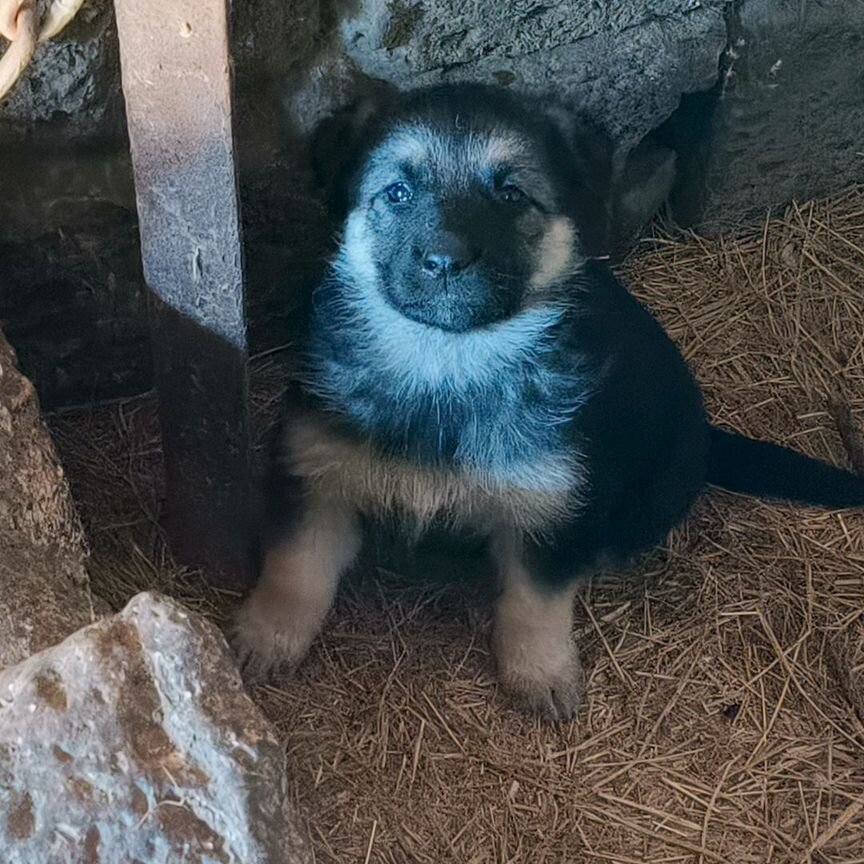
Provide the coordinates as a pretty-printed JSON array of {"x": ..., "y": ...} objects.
[{"x": 176, "y": 72}]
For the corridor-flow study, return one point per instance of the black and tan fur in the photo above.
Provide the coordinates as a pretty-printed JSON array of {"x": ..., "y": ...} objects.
[{"x": 470, "y": 365}]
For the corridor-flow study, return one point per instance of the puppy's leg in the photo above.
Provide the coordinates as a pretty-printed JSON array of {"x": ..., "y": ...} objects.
[
  {"x": 298, "y": 582},
  {"x": 538, "y": 662}
]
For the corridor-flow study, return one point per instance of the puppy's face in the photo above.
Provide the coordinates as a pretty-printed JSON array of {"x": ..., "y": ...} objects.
[{"x": 459, "y": 212}]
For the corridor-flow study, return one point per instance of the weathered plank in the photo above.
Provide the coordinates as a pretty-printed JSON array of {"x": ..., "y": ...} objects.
[{"x": 176, "y": 72}]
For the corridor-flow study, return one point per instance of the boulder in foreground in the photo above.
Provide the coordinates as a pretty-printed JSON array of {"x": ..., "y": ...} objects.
[{"x": 133, "y": 741}]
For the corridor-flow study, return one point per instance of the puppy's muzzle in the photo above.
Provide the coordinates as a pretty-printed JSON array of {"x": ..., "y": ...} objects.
[{"x": 446, "y": 254}]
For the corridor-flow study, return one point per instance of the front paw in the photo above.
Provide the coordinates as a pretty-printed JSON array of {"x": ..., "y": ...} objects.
[
  {"x": 548, "y": 683},
  {"x": 268, "y": 638}
]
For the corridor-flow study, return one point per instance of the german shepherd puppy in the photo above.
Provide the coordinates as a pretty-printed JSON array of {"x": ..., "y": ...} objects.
[{"x": 470, "y": 365}]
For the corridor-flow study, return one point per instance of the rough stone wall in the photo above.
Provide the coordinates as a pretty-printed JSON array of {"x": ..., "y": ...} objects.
[
  {"x": 788, "y": 120},
  {"x": 71, "y": 295},
  {"x": 732, "y": 105},
  {"x": 71, "y": 94},
  {"x": 624, "y": 63}
]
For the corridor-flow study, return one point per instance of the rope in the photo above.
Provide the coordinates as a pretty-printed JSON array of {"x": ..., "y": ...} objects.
[{"x": 18, "y": 23}]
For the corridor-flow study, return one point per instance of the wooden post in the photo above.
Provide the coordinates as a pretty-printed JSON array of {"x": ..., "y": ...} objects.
[{"x": 176, "y": 71}]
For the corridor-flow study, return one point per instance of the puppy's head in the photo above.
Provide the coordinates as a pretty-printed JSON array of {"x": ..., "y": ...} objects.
[{"x": 463, "y": 206}]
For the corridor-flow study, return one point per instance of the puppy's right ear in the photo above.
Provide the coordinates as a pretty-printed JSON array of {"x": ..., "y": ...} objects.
[{"x": 340, "y": 142}]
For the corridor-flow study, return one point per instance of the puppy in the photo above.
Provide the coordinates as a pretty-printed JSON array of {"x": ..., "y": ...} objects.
[{"x": 469, "y": 365}]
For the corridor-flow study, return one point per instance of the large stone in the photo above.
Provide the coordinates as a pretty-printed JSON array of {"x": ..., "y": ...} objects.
[
  {"x": 625, "y": 63},
  {"x": 787, "y": 119},
  {"x": 44, "y": 593},
  {"x": 133, "y": 741}
]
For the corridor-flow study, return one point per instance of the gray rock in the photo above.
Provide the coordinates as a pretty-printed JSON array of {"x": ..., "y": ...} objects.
[
  {"x": 44, "y": 592},
  {"x": 788, "y": 121},
  {"x": 626, "y": 64},
  {"x": 134, "y": 741}
]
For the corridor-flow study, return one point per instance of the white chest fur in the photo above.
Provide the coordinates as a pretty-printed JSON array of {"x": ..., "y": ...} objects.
[{"x": 344, "y": 470}]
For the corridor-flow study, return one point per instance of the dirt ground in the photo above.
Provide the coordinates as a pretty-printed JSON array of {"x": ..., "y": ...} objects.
[{"x": 724, "y": 720}]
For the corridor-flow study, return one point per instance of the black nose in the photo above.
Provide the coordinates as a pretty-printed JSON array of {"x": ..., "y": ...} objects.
[{"x": 447, "y": 253}]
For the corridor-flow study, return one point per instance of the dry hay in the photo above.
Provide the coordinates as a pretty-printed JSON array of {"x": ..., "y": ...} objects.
[{"x": 724, "y": 720}]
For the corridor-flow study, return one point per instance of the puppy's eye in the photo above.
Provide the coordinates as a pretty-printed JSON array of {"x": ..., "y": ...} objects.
[
  {"x": 399, "y": 193},
  {"x": 511, "y": 193}
]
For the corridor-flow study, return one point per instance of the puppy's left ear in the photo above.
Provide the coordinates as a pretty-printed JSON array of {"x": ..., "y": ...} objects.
[
  {"x": 616, "y": 193},
  {"x": 340, "y": 142},
  {"x": 585, "y": 155}
]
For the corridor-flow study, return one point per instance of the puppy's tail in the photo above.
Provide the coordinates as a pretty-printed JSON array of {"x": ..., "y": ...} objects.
[{"x": 741, "y": 464}]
